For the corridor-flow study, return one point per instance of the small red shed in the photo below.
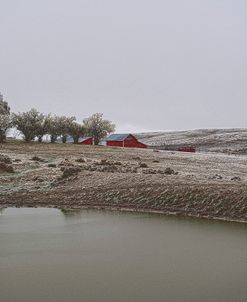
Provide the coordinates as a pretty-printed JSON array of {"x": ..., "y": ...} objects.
[
  {"x": 124, "y": 140},
  {"x": 187, "y": 149},
  {"x": 85, "y": 141}
]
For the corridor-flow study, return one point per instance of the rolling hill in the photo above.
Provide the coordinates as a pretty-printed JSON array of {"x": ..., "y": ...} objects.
[{"x": 204, "y": 140}]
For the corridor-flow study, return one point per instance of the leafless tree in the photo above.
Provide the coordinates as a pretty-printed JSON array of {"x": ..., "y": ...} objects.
[
  {"x": 53, "y": 127},
  {"x": 28, "y": 123},
  {"x": 5, "y": 119},
  {"x": 76, "y": 130},
  {"x": 59, "y": 126},
  {"x": 65, "y": 124},
  {"x": 97, "y": 127}
]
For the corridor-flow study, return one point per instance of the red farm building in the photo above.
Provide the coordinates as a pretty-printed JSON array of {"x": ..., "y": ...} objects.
[
  {"x": 124, "y": 140},
  {"x": 187, "y": 149},
  {"x": 85, "y": 141},
  {"x": 81, "y": 141}
]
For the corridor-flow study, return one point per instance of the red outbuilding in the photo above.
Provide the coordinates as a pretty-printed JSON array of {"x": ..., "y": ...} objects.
[
  {"x": 85, "y": 141},
  {"x": 124, "y": 140},
  {"x": 187, "y": 149}
]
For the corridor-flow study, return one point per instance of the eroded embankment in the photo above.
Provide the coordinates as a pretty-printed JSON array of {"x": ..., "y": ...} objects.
[{"x": 193, "y": 199}]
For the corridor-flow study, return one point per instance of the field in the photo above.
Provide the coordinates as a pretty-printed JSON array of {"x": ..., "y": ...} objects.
[
  {"x": 75, "y": 176},
  {"x": 204, "y": 140}
]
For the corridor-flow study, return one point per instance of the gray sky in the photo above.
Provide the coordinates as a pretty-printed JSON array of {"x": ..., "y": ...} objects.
[{"x": 147, "y": 65}]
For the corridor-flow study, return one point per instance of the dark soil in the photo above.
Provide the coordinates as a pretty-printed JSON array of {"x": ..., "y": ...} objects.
[{"x": 199, "y": 185}]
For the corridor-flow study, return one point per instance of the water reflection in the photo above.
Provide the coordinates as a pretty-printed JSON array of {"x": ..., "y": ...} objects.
[
  {"x": 89, "y": 255},
  {"x": 161, "y": 217},
  {"x": 2, "y": 210},
  {"x": 70, "y": 212}
]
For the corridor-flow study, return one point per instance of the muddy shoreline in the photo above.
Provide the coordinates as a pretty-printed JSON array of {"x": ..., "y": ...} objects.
[
  {"x": 74, "y": 177},
  {"x": 73, "y": 209}
]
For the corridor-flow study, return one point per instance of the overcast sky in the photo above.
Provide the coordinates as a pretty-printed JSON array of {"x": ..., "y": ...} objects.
[{"x": 147, "y": 65}]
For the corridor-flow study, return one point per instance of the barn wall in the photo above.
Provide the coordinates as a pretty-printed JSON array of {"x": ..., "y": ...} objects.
[
  {"x": 114, "y": 143},
  {"x": 130, "y": 142},
  {"x": 88, "y": 141},
  {"x": 186, "y": 149},
  {"x": 134, "y": 144}
]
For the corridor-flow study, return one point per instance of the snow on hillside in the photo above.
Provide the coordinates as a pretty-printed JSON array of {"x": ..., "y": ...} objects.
[{"x": 216, "y": 140}]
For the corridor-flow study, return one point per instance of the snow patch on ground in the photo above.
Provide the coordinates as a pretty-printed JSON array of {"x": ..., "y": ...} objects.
[{"x": 216, "y": 140}]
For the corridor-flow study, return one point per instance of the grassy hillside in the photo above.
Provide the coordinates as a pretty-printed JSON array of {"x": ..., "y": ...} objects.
[{"x": 214, "y": 140}]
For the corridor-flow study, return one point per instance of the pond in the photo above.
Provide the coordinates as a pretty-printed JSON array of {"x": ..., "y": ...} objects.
[{"x": 52, "y": 255}]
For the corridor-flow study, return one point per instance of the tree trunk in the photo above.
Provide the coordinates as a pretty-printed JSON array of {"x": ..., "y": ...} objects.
[
  {"x": 53, "y": 138},
  {"x": 76, "y": 139},
  {"x": 27, "y": 139},
  {"x": 96, "y": 141},
  {"x": 28, "y": 136},
  {"x": 2, "y": 136},
  {"x": 64, "y": 138}
]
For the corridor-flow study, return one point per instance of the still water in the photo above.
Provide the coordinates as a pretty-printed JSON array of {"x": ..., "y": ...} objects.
[{"x": 48, "y": 255}]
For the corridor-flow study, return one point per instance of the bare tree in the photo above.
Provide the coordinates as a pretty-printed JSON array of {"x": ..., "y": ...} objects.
[
  {"x": 28, "y": 123},
  {"x": 65, "y": 124},
  {"x": 97, "y": 127},
  {"x": 5, "y": 125},
  {"x": 5, "y": 119},
  {"x": 53, "y": 127},
  {"x": 4, "y": 106},
  {"x": 59, "y": 126},
  {"x": 76, "y": 130},
  {"x": 42, "y": 128}
]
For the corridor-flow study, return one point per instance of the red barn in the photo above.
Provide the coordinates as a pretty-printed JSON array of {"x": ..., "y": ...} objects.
[
  {"x": 186, "y": 149},
  {"x": 124, "y": 140},
  {"x": 85, "y": 141}
]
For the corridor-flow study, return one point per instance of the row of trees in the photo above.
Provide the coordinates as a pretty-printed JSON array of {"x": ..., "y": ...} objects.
[{"x": 34, "y": 125}]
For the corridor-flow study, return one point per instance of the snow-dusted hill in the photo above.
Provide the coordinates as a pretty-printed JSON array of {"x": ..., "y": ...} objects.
[{"x": 215, "y": 140}]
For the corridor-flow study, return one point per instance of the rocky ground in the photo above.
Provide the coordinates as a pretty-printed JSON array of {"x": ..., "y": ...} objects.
[{"x": 74, "y": 176}]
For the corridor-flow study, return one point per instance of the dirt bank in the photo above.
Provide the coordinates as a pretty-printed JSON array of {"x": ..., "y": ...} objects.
[{"x": 71, "y": 176}]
